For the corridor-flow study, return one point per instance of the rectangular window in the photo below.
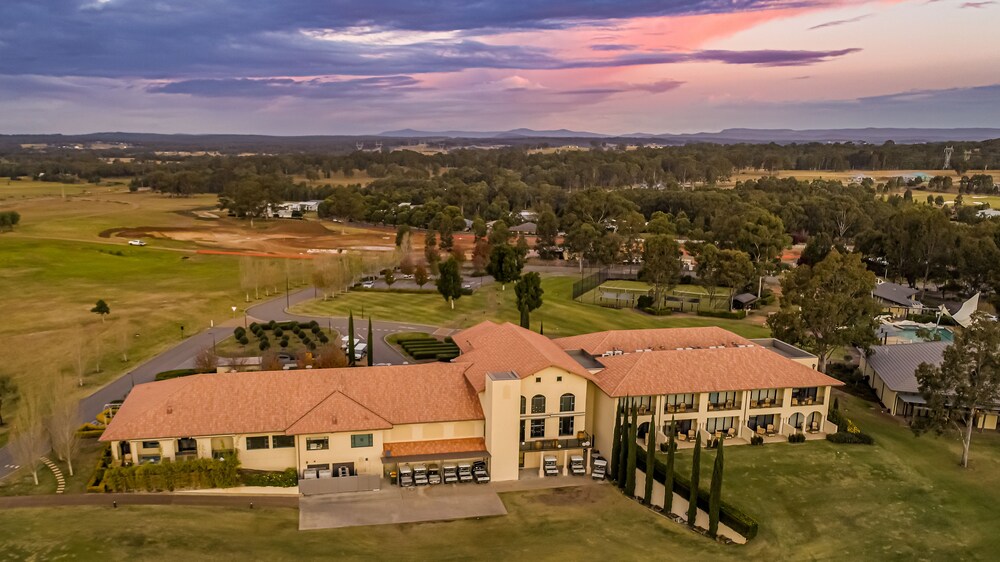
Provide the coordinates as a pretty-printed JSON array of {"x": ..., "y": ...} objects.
[
  {"x": 150, "y": 444},
  {"x": 282, "y": 441},
  {"x": 566, "y": 425},
  {"x": 538, "y": 379},
  {"x": 260, "y": 442},
  {"x": 558, "y": 379},
  {"x": 537, "y": 428},
  {"x": 363, "y": 440},
  {"x": 317, "y": 443}
]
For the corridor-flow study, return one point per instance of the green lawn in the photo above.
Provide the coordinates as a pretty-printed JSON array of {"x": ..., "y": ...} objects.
[
  {"x": 22, "y": 484},
  {"x": 561, "y": 315}
]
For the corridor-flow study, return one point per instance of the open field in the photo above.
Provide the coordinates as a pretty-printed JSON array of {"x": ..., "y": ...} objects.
[
  {"x": 26, "y": 188},
  {"x": 561, "y": 315},
  {"x": 337, "y": 178},
  {"x": 846, "y": 175},
  {"x": 904, "y": 498},
  {"x": 635, "y": 288}
]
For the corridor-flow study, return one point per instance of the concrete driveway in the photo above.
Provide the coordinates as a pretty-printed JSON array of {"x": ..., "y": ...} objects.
[{"x": 392, "y": 505}]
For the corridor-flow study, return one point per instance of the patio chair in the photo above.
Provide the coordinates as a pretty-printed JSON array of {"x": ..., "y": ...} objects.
[
  {"x": 731, "y": 432},
  {"x": 729, "y": 404},
  {"x": 795, "y": 401},
  {"x": 682, "y": 437},
  {"x": 809, "y": 401},
  {"x": 815, "y": 427},
  {"x": 691, "y": 434},
  {"x": 760, "y": 430},
  {"x": 770, "y": 429},
  {"x": 718, "y": 434},
  {"x": 681, "y": 408},
  {"x": 767, "y": 402}
]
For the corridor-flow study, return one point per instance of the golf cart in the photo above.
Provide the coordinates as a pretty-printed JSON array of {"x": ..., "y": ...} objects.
[
  {"x": 405, "y": 476},
  {"x": 479, "y": 472},
  {"x": 464, "y": 472},
  {"x": 549, "y": 466},
  {"x": 450, "y": 474},
  {"x": 576, "y": 465},
  {"x": 360, "y": 350},
  {"x": 420, "y": 475},
  {"x": 433, "y": 474},
  {"x": 600, "y": 468}
]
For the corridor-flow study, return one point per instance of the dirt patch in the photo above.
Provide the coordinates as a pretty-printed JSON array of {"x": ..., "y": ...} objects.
[
  {"x": 570, "y": 495},
  {"x": 139, "y": 231}
]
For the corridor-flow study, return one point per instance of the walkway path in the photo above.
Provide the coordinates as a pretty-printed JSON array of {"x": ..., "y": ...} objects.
[
  {"x": 60, "y": 481},
  {"x": 109, "y": 500}
]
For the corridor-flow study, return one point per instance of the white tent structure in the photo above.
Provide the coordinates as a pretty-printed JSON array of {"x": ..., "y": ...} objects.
[{"x": 963, "y": 316}]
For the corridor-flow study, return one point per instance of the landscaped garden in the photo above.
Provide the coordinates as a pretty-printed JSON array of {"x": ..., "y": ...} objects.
[
  {"x": 292, "y": 337},
  {"x": 421, "y": 346}
]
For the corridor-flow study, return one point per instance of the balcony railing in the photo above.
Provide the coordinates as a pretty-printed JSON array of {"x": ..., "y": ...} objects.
[
  {"x": 582, "y": 440},
  {"x": 817, "y": 401},
  {"x": 766, "y": 403},
  {"x": 727, "y": 405},
  {"x": 682, "y": 408}
]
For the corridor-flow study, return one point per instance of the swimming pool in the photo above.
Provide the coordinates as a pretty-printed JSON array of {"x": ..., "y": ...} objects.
[{"x": 889, "y": 334}]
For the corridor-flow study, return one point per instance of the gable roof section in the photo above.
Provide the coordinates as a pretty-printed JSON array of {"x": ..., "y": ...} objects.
[
  {"x": 897, "y": 364},
  {"x": 489, "y": 347},
  {"x": 704, "y": 370},
  {"x": 654, "y": 339},
  {"x": 894, "y": 293},
  {"x": 337, "y": 413},
  {"x": 295, "y": 402}
]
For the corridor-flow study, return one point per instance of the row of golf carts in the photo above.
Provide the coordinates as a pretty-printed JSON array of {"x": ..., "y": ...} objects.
[
  {"x": 449, "y": 473},
  {"x": 577, "y": 467}
]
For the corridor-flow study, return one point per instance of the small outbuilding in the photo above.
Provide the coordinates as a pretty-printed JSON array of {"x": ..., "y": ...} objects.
[{"x": 744, "y": 301}]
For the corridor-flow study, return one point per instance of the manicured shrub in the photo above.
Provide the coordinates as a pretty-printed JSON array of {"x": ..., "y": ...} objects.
[
  {"x": 284, "y": 479},
  {"x": 283, "y": 343},
  {"x": 736, "y": 315},
  {"x": 797, "y": 438},
  {"x": 314, "y": 324},
  {"x": 173, "y": 374},
  {"x": 264, "y": 344},
  {"x": 756, "y": 440},
  {"x": 644, "y": 302},
  {"x": 194, "y": 473},
  {"x": 851, "y": 438},
  {"x": 278, "y": 332},
  {"x": 323, "y": 338}
]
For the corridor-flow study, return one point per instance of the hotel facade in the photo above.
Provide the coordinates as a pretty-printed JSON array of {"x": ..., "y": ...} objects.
[{"x": 510, "y": 398}]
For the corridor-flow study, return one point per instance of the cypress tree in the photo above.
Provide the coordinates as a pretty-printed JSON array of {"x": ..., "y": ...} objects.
[
  {"x": 541, "y": 328},
  {"x": 650, "y": 460},
  {"x": 715, "y": 496},
  {"x": 371, "y": 356},
  {"x": 633, "y": 452},
  {"x": 668, "y": 480},
  {"x": 623, "y": 449},
  {"x": 695, "y": 474},
  {"x": 350, "y": 338},
  {"x": 616, "y": 443}
]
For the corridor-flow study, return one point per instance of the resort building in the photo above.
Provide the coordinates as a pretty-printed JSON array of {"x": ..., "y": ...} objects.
[
  {"x": 510, "y": 399},
  {"x": 897, "y": 300}
]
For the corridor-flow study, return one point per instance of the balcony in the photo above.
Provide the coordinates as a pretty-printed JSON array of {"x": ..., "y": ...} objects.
[
  {"x": 581, "y": 440},
  {"x": 727, "y": 405},
  {"x": 808, "y": 401},
  {"x": 682, "y": 408},
  {"x": 765, "y": 403}
]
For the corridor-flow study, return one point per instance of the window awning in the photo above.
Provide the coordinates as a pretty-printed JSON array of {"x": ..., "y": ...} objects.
[{"x": 912, "y": 398}]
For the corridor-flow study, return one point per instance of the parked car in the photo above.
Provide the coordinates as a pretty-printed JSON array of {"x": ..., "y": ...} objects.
[
  {"x": 360, "y": 349},
  {"x": 450, "y": 473},
  {"x": 368, "y": 284},
  {"x": 433, "y": 474},
  {"x": 407, "y": 276},
  {"x": 464, "y": 472},
  {"x": 549, "y": 466},
  {"x": 343, "y": 342},
  {"x": 480, "y": 473},
  {"x": 467, "y": 286},
  {"x": 420, "y": 475},
  {"x": 600, "y": 468},
  {"x": 576, "y": 465},
  {"x": 136, "y": 243},
  {"x": 405, "y": 476}
]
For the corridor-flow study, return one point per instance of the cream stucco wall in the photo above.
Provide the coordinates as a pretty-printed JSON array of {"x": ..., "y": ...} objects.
[
  {"x": 367, "y": 460},
  {"x": 552, "y": 383},
  {"x": 501, "y": 404}
]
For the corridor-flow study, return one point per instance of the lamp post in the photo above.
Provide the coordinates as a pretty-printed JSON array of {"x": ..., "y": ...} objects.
[
  {"x": 234, "y": 312},
  {"x": 182, "y": 331}
]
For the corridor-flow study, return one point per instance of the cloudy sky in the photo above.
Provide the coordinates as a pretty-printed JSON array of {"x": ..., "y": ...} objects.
[{"x": 363, "y": 66}]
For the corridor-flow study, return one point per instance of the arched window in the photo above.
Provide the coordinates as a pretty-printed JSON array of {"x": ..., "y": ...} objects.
[
  {"x": 538, "y": 404},
  {"x": 567, "y": 403},
  {"x": 524, "y": 402}
]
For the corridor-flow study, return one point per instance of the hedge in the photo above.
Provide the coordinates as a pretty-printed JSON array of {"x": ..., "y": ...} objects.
[
  {"x": 284, "y": 479},
  {"x": 96, "y": 482},
  {"x": 169, "y": 476},
  {"x": 658, "y": 311},
  {"x": 165, "y": 375},
  {"x": 847, "y": 437},
  {"x": 737, "y": 315},
  {"x": 361, "y": 289},
  {"x": 730, "y": 515}
]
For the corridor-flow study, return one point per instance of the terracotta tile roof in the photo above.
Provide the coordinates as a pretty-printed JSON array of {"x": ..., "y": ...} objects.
[
  {"x": 294, "y": 401},
  {"x": 489, "y": 347},
  {"x": 704, "y": 370},
  {"x": 434, "y": 447},
  {"x": 654, "y": 338}
]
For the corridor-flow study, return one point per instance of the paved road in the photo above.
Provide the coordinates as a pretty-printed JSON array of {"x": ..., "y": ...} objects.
[{"x": 383, "y": 353}]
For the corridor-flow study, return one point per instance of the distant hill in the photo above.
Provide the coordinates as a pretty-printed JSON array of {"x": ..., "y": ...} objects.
[{"x": 511, "y": 134}]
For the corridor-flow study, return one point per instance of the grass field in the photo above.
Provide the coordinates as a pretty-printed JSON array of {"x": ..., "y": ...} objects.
[
  {"x": 561, "y": 315},
  {"x": 27, "y": 189},
  {"x": 846, "y": 175},
  {"x": 905, "y": 498}
]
